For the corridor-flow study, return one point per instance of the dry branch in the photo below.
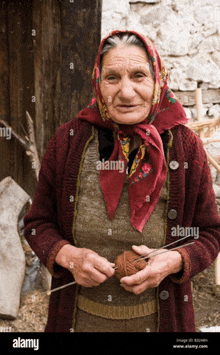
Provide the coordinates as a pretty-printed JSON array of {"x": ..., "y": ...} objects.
[
  {"x": 213, "y": 161},
  {"x": 28, "y": 143},
  {"x": 212, "y": 123},
  {"x": 205, "y": 128},
  {"x": 210, "y": 140},
  {"x": 32, "y": 151}
]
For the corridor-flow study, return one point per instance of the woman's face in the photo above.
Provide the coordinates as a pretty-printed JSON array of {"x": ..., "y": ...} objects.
[{"x": 126, "y": 84}]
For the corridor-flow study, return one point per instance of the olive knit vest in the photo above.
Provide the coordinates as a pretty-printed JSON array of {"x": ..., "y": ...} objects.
[{"x": 110, "y": 238}]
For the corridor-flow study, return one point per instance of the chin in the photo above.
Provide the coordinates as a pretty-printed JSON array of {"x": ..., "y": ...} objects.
[
  {"x": 130, "y": 118},
  {"x": 127, "y": 120}
]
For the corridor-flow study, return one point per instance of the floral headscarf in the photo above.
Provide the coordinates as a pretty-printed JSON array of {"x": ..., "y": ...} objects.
[{"x": 148, "y": 171}]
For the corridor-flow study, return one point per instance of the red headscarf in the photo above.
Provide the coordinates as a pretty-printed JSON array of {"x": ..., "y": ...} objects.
[{"x": 146, "y": 177}]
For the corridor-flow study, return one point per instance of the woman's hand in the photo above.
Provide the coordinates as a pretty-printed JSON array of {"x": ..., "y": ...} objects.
[
  {"x": 157, "y": 269},
  {"x": 88, "y": 268}
]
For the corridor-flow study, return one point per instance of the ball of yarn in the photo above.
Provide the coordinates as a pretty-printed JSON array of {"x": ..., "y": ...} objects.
[{"x": 127, "y": 265}]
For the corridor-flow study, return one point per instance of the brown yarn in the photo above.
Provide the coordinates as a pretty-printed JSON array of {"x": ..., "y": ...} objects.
[{"x": 126, "y": 264}]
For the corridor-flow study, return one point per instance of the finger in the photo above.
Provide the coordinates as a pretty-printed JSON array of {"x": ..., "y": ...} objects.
[
  {"x": 104, "y": 266},
  {"x": 141, "y": 249},
  {"x": 137, "y": 289},
  {"x": 135, "y": 279},
  {"x": 97, "y": 276},
  {"x": 100, "y": 263},
  {"x": 91, "y": 272},
  {"x": 88, "y": 282}
]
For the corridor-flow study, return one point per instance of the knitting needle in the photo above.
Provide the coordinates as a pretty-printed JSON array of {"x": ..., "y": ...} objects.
[
  {"x": 48, "y": 292},
  {"x": 164, "y": 246},
  {"x": 164, "y": 251},
  {"x": 141, "y": 258}
]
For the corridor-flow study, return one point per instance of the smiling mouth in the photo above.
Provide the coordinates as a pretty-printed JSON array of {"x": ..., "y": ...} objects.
[{"x": 126, "y": 107}]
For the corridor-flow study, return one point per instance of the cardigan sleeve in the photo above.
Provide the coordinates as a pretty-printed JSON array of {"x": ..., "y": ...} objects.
[
  {"x": 205, "y": 216},
  {"x": 41, "y": 224}
]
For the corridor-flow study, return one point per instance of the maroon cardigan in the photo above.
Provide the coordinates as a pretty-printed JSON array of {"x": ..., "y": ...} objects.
[{"x": 50, "y": 221}]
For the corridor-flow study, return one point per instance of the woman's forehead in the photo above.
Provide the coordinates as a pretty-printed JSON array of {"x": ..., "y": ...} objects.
[
  {"x": 128, "y": 66},
  {"x": 125, "y": 56}
]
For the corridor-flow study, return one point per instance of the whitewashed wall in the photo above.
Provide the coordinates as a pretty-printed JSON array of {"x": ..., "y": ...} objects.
[{"x": 187, "y": 36}]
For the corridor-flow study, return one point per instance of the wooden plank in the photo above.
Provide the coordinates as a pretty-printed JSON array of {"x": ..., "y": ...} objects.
[
  {"x": 4, "y": 97},
  {"x": 38, "y": 73},
  {"x": 16, "y": 87},
  {"x": 81, "y": 28},
  {"x": 63, "y": 75},
  {"x": 21, "y": 86},
  {"x": 46, "y": 24},
  {"x": 27, "y": 57},
  {"x": 188, "y": 98}
]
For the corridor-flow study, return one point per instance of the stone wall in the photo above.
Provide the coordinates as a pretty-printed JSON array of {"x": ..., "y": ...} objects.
[{"x": 187, "y": 36}]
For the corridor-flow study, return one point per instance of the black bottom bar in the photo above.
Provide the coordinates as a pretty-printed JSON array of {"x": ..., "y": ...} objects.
[{"x": 110, "y": 343}]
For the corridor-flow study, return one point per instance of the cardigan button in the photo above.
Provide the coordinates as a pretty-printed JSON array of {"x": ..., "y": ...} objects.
[
  {"x": 172, "y": 214},
  {"x": 147, "y": 132},
  {"x": 164, "y": 295},
  {"x": 174, "y": 165}
]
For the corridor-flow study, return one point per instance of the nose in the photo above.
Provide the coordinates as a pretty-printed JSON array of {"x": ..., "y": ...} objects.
[{"x": 126, "y": 89}]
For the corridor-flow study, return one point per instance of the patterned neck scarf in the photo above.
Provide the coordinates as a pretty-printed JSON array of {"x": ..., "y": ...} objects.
[{"x": 148, "y": 171}]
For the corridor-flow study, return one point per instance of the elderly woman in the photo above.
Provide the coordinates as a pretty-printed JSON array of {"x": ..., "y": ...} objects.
[{"x": 124, "y": 175}]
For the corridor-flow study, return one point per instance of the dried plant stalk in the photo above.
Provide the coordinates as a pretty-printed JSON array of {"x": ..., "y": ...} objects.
[{"x": 28, "y": 143}]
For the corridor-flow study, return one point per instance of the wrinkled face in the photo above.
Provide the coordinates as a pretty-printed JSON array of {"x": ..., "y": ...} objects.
[{"x": 126, "y": 84}]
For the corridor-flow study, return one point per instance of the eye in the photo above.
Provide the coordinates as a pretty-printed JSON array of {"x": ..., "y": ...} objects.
[
  {"x": 139, "y": 75},
  {"x": 111, "y": 77}
]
